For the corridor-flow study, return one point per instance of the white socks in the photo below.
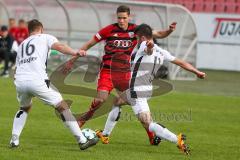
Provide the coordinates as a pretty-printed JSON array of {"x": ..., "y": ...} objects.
[
  {"x": 163, "y": 132},
  {"x": 67, "y": 117},
  {"x": 71, "y": 123},
  {"x": 112, "y": 120},
  {"x": 19, "y": 122}
]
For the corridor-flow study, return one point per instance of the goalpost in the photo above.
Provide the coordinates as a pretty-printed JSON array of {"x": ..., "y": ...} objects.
[{"x": 76, "y": 21}]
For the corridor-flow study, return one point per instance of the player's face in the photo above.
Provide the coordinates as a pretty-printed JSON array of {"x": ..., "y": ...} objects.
[
  {"x": 123, "y": 19},
  {"x": 22, "y": 25},
  {"x": 140, "y": 39},
  {"x": 4, "y": 34},
  {"x": 12, "y": 23}
]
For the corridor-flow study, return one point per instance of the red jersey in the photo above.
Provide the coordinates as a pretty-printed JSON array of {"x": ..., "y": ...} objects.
[
  {"x": 21, "y": 35},
  {"x": 119, "y": 44},
  {"x": 13, "y": 31}
]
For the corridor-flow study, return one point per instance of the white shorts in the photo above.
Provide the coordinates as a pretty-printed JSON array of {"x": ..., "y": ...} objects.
[
  {"x": 26, "y": 90},
  {"x": 139, "y": 105}
]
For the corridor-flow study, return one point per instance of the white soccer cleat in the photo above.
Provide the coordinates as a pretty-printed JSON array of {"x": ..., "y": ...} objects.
[{"x": 14, "y": 142}]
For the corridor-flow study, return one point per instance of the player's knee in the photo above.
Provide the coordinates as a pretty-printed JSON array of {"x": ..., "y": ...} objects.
[
  {"x": 118, "y": 101},
  {"x": 62, "y": 106}
]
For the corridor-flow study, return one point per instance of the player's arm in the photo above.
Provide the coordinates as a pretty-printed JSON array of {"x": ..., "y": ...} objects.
[
  {"x": 85, "y": 47},
  {"x": 187, "y": 66},
  {"x": 65, "y": 49},
  {"x": 164, "y": 34}
]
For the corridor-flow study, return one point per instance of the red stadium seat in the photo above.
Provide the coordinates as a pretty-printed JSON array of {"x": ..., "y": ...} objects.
[
  {"x": 209, "y": 6},
  {"x": 189, "y": 5},
  {"x": 237, "y": 9},
  {"x": 198, "y": 5},
  {"x": 220, "y": 7},
  {"x": 230, "y": 7},
  {"x": 178, "y": 2}
]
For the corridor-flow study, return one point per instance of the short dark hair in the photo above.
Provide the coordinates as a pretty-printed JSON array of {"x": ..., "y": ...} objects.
[
  {"x": 11, "y": 19},
  {"x": 123, "y": 8},
  {"x": 144, "y": 30},
  {"x": 21, "y": 21},
  {"x": 4, "y": 28},
  {"x": 34, "y": 25}
]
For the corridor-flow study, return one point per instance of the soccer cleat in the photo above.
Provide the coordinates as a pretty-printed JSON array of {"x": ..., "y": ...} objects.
[
  {"x": 181, "y": 144},
  {"x": 89, "y": 143},
  {"x": 103, "y": 138},
  {"x": 14, "y": 142},
  {"x": 155, "y": 140}
]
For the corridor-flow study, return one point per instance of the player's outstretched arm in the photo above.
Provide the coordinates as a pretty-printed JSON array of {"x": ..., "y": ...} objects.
[
  {"x": 85, "y": 47},
  {"x": 65, "y": 49},
  {"x": 189, "y": 67},
  {"x": 164, "y": 34}
]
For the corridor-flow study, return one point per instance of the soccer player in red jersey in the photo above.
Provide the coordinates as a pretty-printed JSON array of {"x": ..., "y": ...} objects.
[
  {"x": 12, "y": 27},
  {"x": 120, "y": 41},
  {"x": 22, "y": 32}
]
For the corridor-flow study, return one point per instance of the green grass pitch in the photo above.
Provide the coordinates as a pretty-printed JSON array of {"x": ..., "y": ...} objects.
[{"x": 207, "y": 111}]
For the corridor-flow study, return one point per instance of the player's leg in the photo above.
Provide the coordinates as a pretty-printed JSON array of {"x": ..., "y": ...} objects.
[
  {"x": 112, "y": 120},
  {"x": 71, "y": 123},
  {"x": 161, "y": 131},
  {"x": 25, "y": 100},
  {"x": 97, "y": 102},
  {"x": 54, "y": 98},
  {"x": 105, "y": 86},
  {"x": 18, "y": 125},
  {"x": 120, "y": 81},
  {"x": 140, "y": 105}
]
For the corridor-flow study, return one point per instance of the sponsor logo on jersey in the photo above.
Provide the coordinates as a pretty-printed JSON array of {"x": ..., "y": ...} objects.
[
  {"x": 131, "y": 34},
  {"x": 122, "y": 43},
  {"x": 115, "y": 35}
]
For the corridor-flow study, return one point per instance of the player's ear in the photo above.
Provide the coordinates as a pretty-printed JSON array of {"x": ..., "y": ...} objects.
[{"x": 142, "y": 38}]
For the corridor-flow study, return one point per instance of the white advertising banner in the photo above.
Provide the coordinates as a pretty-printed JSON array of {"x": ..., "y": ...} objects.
[{"x": 218, "y": 41}]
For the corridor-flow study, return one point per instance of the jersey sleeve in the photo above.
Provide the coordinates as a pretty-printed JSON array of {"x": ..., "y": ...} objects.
[
  {"x": 51, "y": 40},
  {"x": 167, "y": 56},
  {"x": 103, "y": 33}
]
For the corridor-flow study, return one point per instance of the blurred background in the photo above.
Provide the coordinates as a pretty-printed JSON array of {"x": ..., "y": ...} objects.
[{"x": 207, "y": 34}]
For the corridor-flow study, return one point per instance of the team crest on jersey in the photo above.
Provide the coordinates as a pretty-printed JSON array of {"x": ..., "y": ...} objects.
[
  {"x": 131, "y": 34},
  {"x": 115, "y": 35}
]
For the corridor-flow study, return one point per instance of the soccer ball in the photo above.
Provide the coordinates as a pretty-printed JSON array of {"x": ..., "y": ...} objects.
[{"x": 89, "y": 134}]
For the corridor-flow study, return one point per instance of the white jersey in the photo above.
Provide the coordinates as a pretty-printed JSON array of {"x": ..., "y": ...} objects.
[
  {"x": 145, "y": 67},
  {"x": 32, "y": 57}
]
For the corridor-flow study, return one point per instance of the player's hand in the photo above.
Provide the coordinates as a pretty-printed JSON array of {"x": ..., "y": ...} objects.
[
  {"x": 149, "y": 44},
  {"x": 68, "y": 67},
  {"x": 201, "y": 75},
  {"x": 172, "y": 26},
  {"x": 81, "y": 53}
]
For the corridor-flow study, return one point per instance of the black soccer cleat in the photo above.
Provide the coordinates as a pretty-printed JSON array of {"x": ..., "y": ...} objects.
[
  {"x": 155, "y": 140},
  {"x": 89, "y": 143}
]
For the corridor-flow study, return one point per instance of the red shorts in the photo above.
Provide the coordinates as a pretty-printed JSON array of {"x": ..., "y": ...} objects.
[{"x": 109, "y": 80}]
